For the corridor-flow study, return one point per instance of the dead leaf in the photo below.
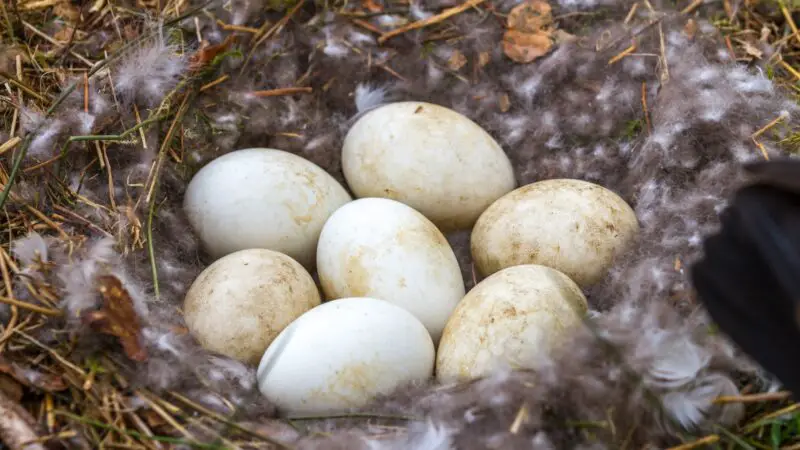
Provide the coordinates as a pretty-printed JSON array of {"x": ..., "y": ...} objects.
[
  {"x": 67, "y": 11},
  {"x": 371, "y": 6},
  {"x": 117, "y": 317},
  {"x": 31, "y": 377},
  {"x": 530, "y": 16},
  {"x": 750, "y": 49},
  {"x": 529, "y": 34},
  {"x": 483, "y": 59},
  {"x": 526, "y": 47},
  {"x": 690, "y": 29},
  {"x": 11, "y": 388},
  {"x": 504, "y": 103},
  {"x": 457, "y": 60},
  {"x": 207, "y": 53}
]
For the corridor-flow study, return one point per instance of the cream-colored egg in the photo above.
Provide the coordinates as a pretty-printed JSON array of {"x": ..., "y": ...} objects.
[
  {"x": 573, "y": 226},
  {"x": 377, "y": 247},
  {"x": 342, "y": 354},
  {"x": 429, "y": 157},
  {"x": 262, "y": 198},
  {"x": 511, "y": 318},
  {"x": 240, "y": 303}
]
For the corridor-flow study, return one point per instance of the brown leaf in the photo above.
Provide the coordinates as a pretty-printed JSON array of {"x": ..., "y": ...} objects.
[
  {"x": 11, "y": 388},
  {"x": 504, "y": 103},
  {"x": 31, "y": 377},
  {"x": 526, "y": 47},
  {"x": 67, "y": 11},
  {"x": 690, "y": 29},
  {"x": 529, "y": 35},
  {"x": 118, "y": 317},
  {"x": 457, "y": 61},
  {"x": 371, "y": 6},
  {"x": 530, "y": 16},
  {"x": 483, "y": 59},
  {"x": 207, "y": 53}
]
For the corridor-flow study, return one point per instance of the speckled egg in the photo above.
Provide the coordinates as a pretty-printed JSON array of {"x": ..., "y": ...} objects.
[
  {"x": 240, "y": 303},
  {"x": 262, "y": 198},
  {"x": 429, "y": 157},
  {"x": 343, "y": 353},
  {"x": 574, "y": 226},
  {"x": 377, "y": 247},
  {"x": 511, "y": 318}
]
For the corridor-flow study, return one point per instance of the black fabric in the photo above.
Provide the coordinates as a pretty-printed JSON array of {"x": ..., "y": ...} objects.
[{"x": 749, "y": 277}]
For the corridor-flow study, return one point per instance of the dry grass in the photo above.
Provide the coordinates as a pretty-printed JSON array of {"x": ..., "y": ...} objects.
[{"x": 64, "y": 396}]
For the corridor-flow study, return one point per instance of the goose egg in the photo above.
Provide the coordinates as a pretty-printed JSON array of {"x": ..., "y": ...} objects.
[
  {"x": 377, "y": 247},
  {"x": 343, "y": 353},
  {"x": 262, "y": 198},
  {"x": 573, "y": 226},
  {"x": 509, "y": 319},
  {"x": 429, "y": 157},
  {"x": 240, "y": 302}
]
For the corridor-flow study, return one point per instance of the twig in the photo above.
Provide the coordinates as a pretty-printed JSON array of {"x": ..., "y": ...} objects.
[
  {"x": 788, "y": 16},
  {"x": 692, "y": 6},
  {"x": 30, "y": 306},
  {"x": 753, "y": 398},
  {"x": 698, "y": 443},
  {"x": 9, "y": 144},
  {"x": 622, "y": 54},
  {"x": 282, "y": 91},
  {"x": 444, "y": 15}
]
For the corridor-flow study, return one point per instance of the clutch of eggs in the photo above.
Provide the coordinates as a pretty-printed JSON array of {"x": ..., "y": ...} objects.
[{"x": 393, "y": 283}]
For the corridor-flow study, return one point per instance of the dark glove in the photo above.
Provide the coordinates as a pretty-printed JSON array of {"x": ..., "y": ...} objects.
[{"x": 749, "y": 277}]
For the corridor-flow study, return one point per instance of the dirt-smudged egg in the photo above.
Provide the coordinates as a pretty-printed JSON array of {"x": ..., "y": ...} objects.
[
  {"x": 429, "y": 157},
  {"x": 343, "y": 353},
  {"x": 377, "y": 247},
  {"x": 573, "y": 226},
  {"x": 240, "y": 303},
  {"x": 511, "y": 318},
  {"x": 262, "y": 198}
]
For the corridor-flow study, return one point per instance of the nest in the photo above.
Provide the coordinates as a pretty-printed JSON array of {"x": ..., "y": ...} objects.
[{"x": 108, "y": 110}]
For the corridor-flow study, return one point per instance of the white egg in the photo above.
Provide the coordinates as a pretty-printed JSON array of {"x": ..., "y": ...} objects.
[
  {"x": 511, "y": 318},
  {"x": 240, "y": 303},
  {"x": 429, "y": 157},
  {"x": 377, "y": 247},
  {"x": 343, "y": 353},
  {"x": 574, "y": 226},
  {"x": 262, "y": 198}
]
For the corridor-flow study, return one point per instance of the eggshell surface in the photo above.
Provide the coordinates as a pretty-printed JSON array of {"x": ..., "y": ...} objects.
[
  {"x": 573, "y": 226},
  {"x": 510, "y": 318},
  {"x": 381, "y": 248},
  {"x": 429, "y": 157},
  {"x": 343, "y": 353},
  {"x": 262, "y": 198},
  {"x": 240, "y": 303}
]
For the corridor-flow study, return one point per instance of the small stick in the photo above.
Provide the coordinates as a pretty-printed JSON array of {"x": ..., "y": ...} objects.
[
  {"x": 214, "y": 83},
  {"x": 282, "y": 91},
  {"x": 623, "y": 54},
  {"x": 444, "y": 15},
  {"x": 789, "y": 20},
  {"x": 9, "y": 144},
  {"x": 30, "y": 306},
  {"x": 86, "y": 92},
  {"x": 698, "y": 443},
  {"x": 644, "y": 106},
  {"x": 229, "y": 27},
  {"x": 790, "y": 69},
  {"x": 629, "y": 17},
  {"x": 692, "y": 6},
  {"x": 753, "y": 398},
  {"x": 771, "y": 124}
]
